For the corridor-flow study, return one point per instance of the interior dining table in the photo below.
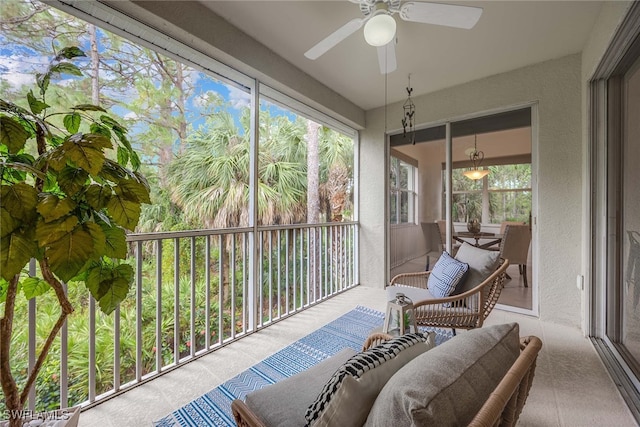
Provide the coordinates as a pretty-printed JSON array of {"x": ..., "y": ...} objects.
[{"x": 488, "y": 239}]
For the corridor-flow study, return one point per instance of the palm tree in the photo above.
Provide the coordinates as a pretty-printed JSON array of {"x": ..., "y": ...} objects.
[
  {"x": 210, "y": 180},
  {"x": 336, "y": 150}
]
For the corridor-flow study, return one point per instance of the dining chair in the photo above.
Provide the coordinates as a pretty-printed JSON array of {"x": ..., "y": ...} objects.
[
  {"x": 515, "y": 247},
  {"x": 442, "y": 226},
  {"x": 434, "y": 242},
  {"x": 503, "y": 225}
]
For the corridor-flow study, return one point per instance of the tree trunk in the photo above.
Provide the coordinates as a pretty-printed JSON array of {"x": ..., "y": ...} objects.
[
  {"x": 313, "y": 173},
  {"x": 9, "y": 386},
  {"x": 14, "y": 399},
  {"x": 313, "y": 207},
  {"x": 180, "y": 102},
  {"x": 337, "y": 191},
  {"x": 95, "y": 66}
]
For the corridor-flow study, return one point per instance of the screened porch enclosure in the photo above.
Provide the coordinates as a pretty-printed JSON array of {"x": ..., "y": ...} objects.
[{"x": 253, "y": 205}]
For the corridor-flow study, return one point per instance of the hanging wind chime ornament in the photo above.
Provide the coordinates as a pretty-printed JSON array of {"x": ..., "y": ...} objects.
[
  {"x": 408, "y": 120},
  {"x": 476, "y": 158}
]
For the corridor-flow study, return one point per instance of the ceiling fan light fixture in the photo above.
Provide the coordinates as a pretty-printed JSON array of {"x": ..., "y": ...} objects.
[{"x": 380, "y": 30}]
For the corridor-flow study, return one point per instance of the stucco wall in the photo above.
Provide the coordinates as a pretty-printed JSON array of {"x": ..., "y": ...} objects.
[{"x": 556, "y": 88}]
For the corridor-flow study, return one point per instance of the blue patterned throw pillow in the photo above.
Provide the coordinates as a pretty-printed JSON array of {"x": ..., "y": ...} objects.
[{"x": 446, "y": 275}]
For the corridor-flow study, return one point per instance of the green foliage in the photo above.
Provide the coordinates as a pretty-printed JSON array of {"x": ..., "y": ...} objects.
[{"x": 68, "y": 203}]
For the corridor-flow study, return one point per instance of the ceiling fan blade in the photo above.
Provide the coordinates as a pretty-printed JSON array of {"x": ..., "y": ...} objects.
[
  {"x": 449, "y": 15},
  {"x": 387, "y": 57},
  {"x": 334, "y": 38}
]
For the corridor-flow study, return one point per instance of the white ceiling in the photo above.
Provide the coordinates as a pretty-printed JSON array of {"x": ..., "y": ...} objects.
[{"x": 509, "y": 35}]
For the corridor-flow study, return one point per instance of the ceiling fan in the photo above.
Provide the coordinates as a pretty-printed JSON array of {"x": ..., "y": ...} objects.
[{"x": 380, "y": 26}]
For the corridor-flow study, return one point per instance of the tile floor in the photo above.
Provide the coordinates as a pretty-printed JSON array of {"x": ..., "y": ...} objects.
[{"x": 571, "y": 387}]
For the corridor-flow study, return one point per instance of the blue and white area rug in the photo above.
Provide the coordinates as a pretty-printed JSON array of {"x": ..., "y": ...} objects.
[{"x": 349, "y": 330}]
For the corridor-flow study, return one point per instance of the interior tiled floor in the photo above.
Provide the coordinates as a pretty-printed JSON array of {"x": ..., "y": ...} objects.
[{"x": 571, "y": 387}]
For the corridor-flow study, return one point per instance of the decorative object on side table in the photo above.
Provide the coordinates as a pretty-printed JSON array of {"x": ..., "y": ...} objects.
[
  {"x": 400, "y": 317},
  {"x": 473, "y": 226}
]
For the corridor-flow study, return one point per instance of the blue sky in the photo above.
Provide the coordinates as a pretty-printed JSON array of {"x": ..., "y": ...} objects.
[{"x": 19, "y": 63}]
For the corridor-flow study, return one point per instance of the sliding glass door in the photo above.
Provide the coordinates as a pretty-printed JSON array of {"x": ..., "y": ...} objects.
[
  {"x": 503, "y": 192},
  {"x": 629, "y": 245},
  {"x": 615, "y": 220}
]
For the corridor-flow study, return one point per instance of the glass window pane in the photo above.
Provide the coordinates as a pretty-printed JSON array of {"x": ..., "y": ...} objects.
[
  {"x": 305, "y": 170},
  {"x": 393, "y": 211},
  {"x": 404, "y": 207},
  {"x": 404, "y": 176},
  {"x": 411, "y": 213},
  {"x": 503, "y": 205},
  {"x": 630, "y": 239},
  {"x": 393, "y": 173},
  {"x": 403, "y": 198},
  {"x": 510, "y": 176},
  {"x": 510, "y": 206},
  {"x": 466, "y": 206}
]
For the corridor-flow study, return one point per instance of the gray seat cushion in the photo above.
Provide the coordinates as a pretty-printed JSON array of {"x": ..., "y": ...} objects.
[
  {"x": 414, "y": 294},
  {"x": 448, "y": 385},
  {"x": 301, "y": 390}
]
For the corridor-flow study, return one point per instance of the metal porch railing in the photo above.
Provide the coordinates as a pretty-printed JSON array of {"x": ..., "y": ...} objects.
[{"x": 194, "y": 292}]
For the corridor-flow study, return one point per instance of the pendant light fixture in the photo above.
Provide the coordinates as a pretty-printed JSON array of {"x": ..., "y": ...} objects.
[{"x": 476, "y": 158}]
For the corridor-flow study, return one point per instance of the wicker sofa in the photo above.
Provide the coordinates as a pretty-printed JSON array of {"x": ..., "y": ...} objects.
[{"x": 481, "y": 378}]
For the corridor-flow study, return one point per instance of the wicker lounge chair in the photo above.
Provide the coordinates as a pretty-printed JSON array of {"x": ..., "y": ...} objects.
[
  {"x": 502, "y": 408},
  {"x": 467, "y": 310},
  {"x": 505, "y": 404}
]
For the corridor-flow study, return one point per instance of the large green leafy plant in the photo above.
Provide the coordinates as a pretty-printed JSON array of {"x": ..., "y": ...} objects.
[{"x": 69, "y": 190}]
